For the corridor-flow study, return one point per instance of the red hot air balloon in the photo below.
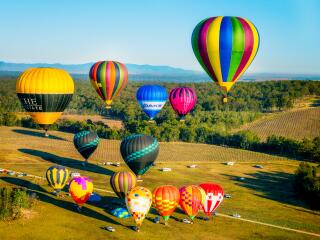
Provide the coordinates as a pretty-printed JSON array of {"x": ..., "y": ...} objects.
[
  {"x": 214, "y": 197},
  {"x": 182, "y": 100}
]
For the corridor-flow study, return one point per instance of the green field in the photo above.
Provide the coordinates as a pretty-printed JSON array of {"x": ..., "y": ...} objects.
[
  {"x": 265, "y": 195},
  {"x": 298, "y": 123}
]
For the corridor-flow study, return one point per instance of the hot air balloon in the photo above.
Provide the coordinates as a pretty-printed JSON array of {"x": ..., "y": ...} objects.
[
  {"x": 190, "y": 200},
  {"x": 225, "y": 47},
  {"x": 151, "y": 99},
  {"x": 214, "y": 197},
  {"x": 108, "y": 78},
  {"x": 120, "y": 213},
  {"x": 80, "y": 189},
  {"x": 57, "y": 177},
  {"x": 165, "y": 199},
  {"x": 86, "y": 143},
  {"x": 139, "y": 152},
  {"x": 139, "y": 201},
  {"x": 182, "y": 100},
  {"x": 122, "y": 183},
  {"x": 44, "y": 93}
]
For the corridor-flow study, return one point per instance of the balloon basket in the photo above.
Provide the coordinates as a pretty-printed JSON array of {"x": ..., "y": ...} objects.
[
  {"x": 108, "y": 107},
  {"x": 46, "y": 134},
  {"x": 224, "y": 99}
]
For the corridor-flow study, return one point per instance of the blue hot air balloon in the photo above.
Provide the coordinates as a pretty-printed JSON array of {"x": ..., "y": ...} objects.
[{"x": 152, "y": 98}]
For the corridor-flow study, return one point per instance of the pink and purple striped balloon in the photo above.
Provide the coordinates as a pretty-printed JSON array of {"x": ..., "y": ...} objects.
[{"x": 182, "y": 100}]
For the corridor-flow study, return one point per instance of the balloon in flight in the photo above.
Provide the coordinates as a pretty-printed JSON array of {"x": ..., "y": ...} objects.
[
  {"x": 108, "y": 79},
  {"x": 165, "y": 199},
  {"x": 122, "y": 183},
  {"x": 44, "y": 93},
  {"x": 139, "y": 152},
  {"x": 86, "y": 142},
  {"x": 225, "y": 47},
  {"x": 182, "y": 100},
  {"x": 151, "y": 99}
]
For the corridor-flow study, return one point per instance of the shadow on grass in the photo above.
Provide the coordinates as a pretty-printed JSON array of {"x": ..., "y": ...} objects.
[
  {"x": 68, "y": 162},
  {"x": 44, "y": 197},
  {"x": 277, "y": 186},
  {"x": 37, "y": 134}
]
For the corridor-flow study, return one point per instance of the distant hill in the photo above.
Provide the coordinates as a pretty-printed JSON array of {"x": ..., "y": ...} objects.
[{"x": 148, "y": 72}]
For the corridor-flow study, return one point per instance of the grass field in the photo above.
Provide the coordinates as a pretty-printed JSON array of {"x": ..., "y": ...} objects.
[
  {"x": 265, "y": 195},
  {"x": 298, "y": 123}
]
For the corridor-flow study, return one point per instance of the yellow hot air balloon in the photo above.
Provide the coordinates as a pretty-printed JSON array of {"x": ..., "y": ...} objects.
[{"x": 44, "y": 93}]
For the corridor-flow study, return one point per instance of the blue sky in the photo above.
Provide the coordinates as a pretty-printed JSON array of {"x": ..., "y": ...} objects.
[{"x": 155, "y": 32}]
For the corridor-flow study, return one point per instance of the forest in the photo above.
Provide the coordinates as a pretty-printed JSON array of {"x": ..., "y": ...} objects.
[{"x": 209, "y": 122}]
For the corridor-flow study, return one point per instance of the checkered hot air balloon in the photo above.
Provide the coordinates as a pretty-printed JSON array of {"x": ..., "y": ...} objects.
[
  {"x": 80, "y": 189},
  {"x": 165, "y": 199},
  {"x": 225, "y": 48},
  {"x": 190, "y": 200},
  {"x": 57, "y": 177},
  {"x": 214, "y": 197},
  {"x": 138, "y": 202},
  {"x": 108, "y": 79}
]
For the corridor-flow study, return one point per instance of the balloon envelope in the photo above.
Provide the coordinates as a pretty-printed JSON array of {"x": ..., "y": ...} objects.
[
  {"x": 214, "y": 197},
  {"x": 80, "y": 189},
  {"x": 57, "y": 177},
  {"x": 165, "y": 199},
  {"x": 139, "y": 152},
  {"x": 44, "y": 93},
  {"x": 120, "y": 213},
  {"x": 190, "y": 200},
  {"x": 225, "y": 47},
  {"x": 108, "y": 78},
  {"x": 182, "y": 100},
  {"x": 86, "y": 143},
  {"x": 151, "y": 99},
  {"x": 122, "y": 183},
  {"x": 139, "y": 201}
]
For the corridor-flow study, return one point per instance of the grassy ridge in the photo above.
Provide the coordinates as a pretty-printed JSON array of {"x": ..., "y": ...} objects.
[
  {"x": 265, "y": 194},
  {"x": 295, "y": 124}
]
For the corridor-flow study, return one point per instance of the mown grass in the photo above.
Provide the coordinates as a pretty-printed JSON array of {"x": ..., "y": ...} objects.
[{"x": 265, "y": 195}]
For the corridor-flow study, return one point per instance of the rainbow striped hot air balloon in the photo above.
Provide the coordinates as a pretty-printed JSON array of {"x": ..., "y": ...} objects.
[
  {"x": 57, "y": 177},
  {"x": 80, "y": 189},
  {"x": 122, "y": 183},
  {"x": 225, "y": 47},
  {"x": 108, "y": 78}
]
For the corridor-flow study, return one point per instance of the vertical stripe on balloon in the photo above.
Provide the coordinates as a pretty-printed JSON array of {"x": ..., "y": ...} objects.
[
  {"x": 202, "y": 46},
  {"x": 256, "y": 40},
  {"x": 213, "y": 48},
  {"x": 238, "y": 40},
  {"x": 248, "y": 47},
  {"x": 225, "y": 45}
]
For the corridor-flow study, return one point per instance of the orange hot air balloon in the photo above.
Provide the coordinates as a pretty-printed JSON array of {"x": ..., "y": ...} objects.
[
  {"x": 190, "y": 200},
  {"x": 165, "y": 199}
]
